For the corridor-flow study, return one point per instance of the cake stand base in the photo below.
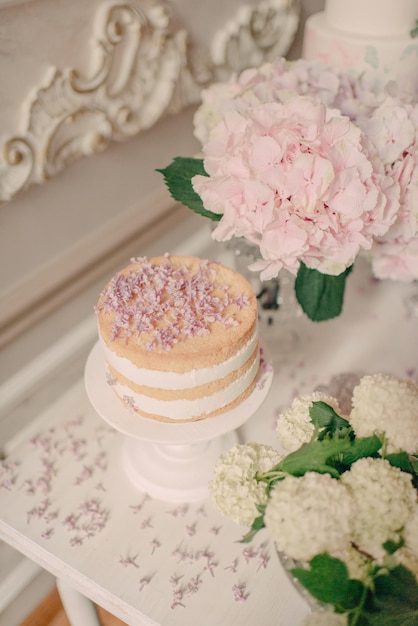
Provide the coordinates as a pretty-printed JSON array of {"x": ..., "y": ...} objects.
[
  {"x": 174, "y": 472},
  {"x": 172, "y": 461}
]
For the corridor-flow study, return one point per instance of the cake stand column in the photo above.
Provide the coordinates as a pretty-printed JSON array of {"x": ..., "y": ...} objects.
[{"x": 174, "y": 472}]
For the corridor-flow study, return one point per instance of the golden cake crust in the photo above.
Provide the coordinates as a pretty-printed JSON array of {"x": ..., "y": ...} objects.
[{"x": 196, "y": 295}]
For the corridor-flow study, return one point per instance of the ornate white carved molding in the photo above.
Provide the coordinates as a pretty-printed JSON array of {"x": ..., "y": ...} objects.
[
  {"x": 256, "y": 34},
  {"x": 147, "y": 66}
]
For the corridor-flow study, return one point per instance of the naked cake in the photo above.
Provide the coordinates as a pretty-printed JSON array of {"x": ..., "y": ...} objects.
[{"x": 179, "y": 337}]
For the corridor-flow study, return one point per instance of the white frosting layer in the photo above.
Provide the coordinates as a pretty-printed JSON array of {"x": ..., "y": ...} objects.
[
  {"x": 173, "y": 380},
  {"x": 378, "y": 18},
  {"x": 187, "y": 409}
]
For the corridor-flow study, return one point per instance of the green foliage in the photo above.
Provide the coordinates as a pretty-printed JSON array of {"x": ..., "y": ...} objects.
[
  {"x": 329, "y": 456},
  {"x": 257, "y": 525},
  {"x": 321, "y": 296},
  {"x": 390, "y": 597},
  {"x": 328, "y": 581},
  {"x": 394, "y": 600},
  {"x": 391, "y": 546},
  {"x": 332, "y": 449},
  {"x": 406, "y": 462},
  {"x": 328, "y": 423},
  {"x": 178, "y": 178}
]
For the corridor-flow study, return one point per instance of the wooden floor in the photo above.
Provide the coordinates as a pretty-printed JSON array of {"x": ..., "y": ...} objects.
[{"x": 50, "y": 612}]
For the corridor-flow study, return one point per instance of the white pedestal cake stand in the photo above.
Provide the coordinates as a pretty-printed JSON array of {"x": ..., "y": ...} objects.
[{"x": 171, "y": 461}]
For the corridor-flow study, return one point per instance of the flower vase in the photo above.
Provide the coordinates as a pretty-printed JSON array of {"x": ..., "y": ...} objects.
[
  {"x": 341, "y": 387},
  {"x": 288, "y": 563},
  {"x": 278, "y": 310}
]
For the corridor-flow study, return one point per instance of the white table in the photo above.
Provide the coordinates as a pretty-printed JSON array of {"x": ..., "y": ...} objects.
[{"x": 66, "y": 503}]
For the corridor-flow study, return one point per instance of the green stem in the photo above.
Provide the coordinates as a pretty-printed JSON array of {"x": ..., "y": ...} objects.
[
  {"x": 357, "y": 612},
  {"x": 384, "y": 444},
  {"x": 270, "y": 476}
]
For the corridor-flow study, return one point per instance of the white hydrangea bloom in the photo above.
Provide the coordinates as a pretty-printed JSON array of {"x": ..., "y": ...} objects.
[
  {"x": 384, "y": 499},
  {"x": 357, "y": 564},
  {"x": 294, "y": 426},
  {"x": 310, "y": 515},
  {"x": 408, "y": 554},
  {"x": 324, "y": 618},
  {"x": 383, "y": 403},
  {"x": 411, "y": 532},
  {"x": 234, "y": 490}
]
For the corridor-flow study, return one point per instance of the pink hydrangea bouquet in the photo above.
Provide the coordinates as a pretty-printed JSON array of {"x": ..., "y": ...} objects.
[
  {"x": 293, "y": 162},
  {"x": 339, "y": 499},
  {"x": 392, "y": 127}
]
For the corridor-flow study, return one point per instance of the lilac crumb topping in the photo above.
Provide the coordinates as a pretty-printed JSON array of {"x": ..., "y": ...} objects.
[{"x": 164, "y": 304}]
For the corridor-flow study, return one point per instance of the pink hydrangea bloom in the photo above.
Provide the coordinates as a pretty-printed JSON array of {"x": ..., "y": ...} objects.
[
  {"x": 392, "y": 127},
  {"x": 296, "y": 178},
  {"x": 387, "y": 117},
  {"x": 352, "y": 93}
]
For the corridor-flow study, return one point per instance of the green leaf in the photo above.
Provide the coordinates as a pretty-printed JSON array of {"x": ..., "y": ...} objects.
[
  {"x": 400, "y": 460},
  {"x": 360, "y": 448},
  {"x": 257, "y": 525},
  {"x": 178, "y": 178},
  {"x": 327, "y": 421},
  {"x": 329, "y": 456},
  {"x": 395, "y": 599},
  {"x": 391, "y": 546},
  {"x": 405, "y": 462},
  {"x": 321, "y": 296},
  {"x": 399, "y": 584},
  {"x": 391, "y": 600},
  {"x": 328, "y": 581}
]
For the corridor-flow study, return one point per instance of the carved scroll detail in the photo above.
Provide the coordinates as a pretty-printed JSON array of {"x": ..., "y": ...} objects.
[
  {"x": 255, "y": 35},
  {"x": 145, "y": 70}
]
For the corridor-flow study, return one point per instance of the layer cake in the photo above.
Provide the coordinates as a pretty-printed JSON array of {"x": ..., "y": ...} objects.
[
  {"x": 371, "y": 36},
  {"x": 179, "y": 337}
]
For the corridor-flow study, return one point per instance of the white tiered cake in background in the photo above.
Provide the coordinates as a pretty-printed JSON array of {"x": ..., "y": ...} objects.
[{"x": 367, "y": 35}]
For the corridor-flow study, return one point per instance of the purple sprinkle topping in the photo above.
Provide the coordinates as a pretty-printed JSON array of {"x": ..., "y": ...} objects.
[{"x": 166, "y": 303}]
